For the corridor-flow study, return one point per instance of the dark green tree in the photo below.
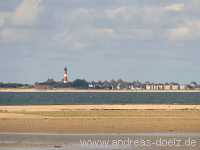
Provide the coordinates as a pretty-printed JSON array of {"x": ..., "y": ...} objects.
[{"x": 80, "y": 83}]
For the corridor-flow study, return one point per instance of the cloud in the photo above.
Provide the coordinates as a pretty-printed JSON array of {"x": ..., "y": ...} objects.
[
  {"x": 187, "y": 31},
  {"x": 87, "y": 27},
  {"x": 80, "y": 27},
  {"x": 108, "y": 32},
  {"x": 70, "y": 40},
  {"x": 180, "y": 33},
  {"x": 27, "y": 12},
  {"x": 122, "y": 11},
  {"x": 175, "y": 7},
  {"x": 13, "y": 34}
]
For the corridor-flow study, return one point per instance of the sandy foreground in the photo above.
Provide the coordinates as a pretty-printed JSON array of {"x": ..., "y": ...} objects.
[{"x": 100, "y": 118}]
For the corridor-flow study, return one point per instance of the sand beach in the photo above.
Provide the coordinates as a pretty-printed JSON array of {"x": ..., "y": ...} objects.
[{"x": 100, "y": 118}]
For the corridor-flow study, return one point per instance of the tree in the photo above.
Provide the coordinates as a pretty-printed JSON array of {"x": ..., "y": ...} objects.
[{"x": 80, "y": 83}]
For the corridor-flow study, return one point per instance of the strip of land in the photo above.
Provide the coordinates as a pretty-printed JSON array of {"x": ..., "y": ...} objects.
[
  {"x": 70, "y": 90},
  {"x": 52, "y": 108},
  {"x": 100, "y": 118}
]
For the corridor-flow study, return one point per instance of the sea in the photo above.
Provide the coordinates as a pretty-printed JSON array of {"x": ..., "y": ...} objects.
[{"x": 59, "y": 98}]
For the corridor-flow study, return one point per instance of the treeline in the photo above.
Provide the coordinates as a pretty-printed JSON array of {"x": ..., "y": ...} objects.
[
  {"x": 13, "y": 85},
  {"x": 112, "y": 84},
  {"x": 82, "y": 83},
  {"x": 50, "y": 83}
]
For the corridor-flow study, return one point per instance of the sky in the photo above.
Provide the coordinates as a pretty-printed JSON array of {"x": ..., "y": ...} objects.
[{"x": 146, "y": 40}]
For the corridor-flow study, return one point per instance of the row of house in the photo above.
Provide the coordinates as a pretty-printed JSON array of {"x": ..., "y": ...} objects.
[
  {"x": 173, "y": 86},
  {"x": 140, "y": 86}
]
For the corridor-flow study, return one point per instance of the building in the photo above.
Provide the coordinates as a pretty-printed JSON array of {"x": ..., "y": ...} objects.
[
  {"x": 118, "y": 86},
  {"x": 131, "y": 87},
  {"x": 65, "y": 75},
  {"x": 160, "y": 86},
  {"x": 175, "y": 87},
  {"x": 167, "y": 86},
  {"x": 182, "y": 87},
  {"x": 150, "y": 87},
  {"x": 156, "y": 87}
]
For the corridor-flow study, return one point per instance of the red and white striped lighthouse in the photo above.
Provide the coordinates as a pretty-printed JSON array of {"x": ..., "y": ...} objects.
[{"x": 65, "y": 75}]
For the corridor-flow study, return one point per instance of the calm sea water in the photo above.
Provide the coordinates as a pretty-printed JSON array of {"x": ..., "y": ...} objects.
[{"x": 7, "y": 98}]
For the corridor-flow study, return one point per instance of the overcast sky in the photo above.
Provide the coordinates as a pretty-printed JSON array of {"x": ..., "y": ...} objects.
[{"x": 100, "y": 39}]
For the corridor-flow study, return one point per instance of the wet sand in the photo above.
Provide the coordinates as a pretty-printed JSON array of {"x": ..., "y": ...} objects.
[
  {"x": 100, "y": 118},
  {"x": 36, "y": 141}
]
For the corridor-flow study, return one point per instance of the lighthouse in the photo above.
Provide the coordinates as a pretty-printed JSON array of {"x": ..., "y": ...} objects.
[{"x": 65, "y": 75}]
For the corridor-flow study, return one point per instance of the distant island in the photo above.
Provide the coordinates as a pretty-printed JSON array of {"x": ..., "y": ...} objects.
[
  {"x": 82, "y": 84},
  {"x": 117, "y": 85}
]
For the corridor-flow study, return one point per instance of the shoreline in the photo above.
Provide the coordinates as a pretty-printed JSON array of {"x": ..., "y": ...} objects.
[
  {"x": 49, "y": 141},
  {"x": 99, "y": 107},
  {"x": 33, "y": 90}
]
